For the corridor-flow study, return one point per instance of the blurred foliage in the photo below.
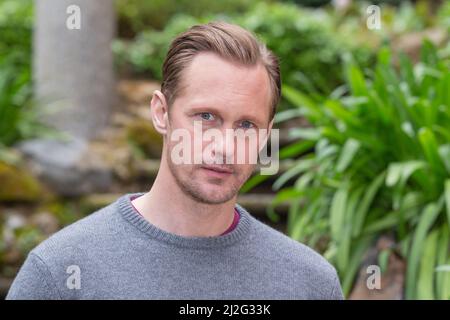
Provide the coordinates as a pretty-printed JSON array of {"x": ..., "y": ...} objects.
[
  {"x": 17, "y": 184},
  {"x": 310, "y": 3},
  {"x": 15, "y": 66},
  {"x": 18, "y": 118},
  {"x": 381, "y": 163},
  {"x": 18, "y": 238},
  {"x": 137, "y": 15},
  {"x": 306, "y": 41},
  {"x": 380, "y": 138},
  {"x": 443, "y": 15},
  {"x": 318, "y": 3},
  {"x": 310, "y": 42},
  {"x": 146, "y": 53},
  {"x": 407, "y": 17}
]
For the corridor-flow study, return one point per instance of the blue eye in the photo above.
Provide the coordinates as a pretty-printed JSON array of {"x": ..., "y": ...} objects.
[
  {"x": 206, "y": 116},
  {"x": 247, "y": 124}
]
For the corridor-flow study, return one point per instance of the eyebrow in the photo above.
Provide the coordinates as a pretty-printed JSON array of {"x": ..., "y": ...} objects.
[{"x": 199, "y": 109}]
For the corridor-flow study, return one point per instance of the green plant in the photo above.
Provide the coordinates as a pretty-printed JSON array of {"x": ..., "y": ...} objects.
[
  {"x": 310, "y": 50},
  {"x": 146, "y": 53},
  {"x": 18, "y": 117},
  {"x": 15, "y": 57},
  {"x": 380, "y": 164},
  {"x": 135, "y": 16}
]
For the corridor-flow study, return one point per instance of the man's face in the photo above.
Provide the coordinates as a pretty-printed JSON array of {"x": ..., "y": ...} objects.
[{"x": 222, "y": 97}]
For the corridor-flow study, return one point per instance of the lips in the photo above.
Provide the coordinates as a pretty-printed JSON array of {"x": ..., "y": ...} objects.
[{"x": 218, "y": 169}]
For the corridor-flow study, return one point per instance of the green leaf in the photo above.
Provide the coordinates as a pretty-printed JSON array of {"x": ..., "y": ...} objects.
[
  {"x": 297, "y": 169},
  {"x": 407, "y": 71},
  {"x": 356, "y": 258},
  {"x": 427, "y": 219},
  {"x": 445, "y": 268},
  {"x": 289, "y": 114},
  {"x": 344, "y": 242},
  {"x": 348, "y": 152},
  {"x": 447, "y": 199},
  {"x": 301, "y": 101},
  {"x": 254, "y": 181},
  {"x": 399, "y": 172},
  {"x": 356, "y": 80},
  {"x": 295, "y": 149},
  {"x": 430, "y": 147},
  {"x": 337, "y": 211},
  {"x": 366, "y": 201},
  {"x": 442, "y": 254},
  {"x": 444, "y": 152},
  {"x": 387, "y": 221},
  {"x": 284, "y": 195},
  {"x": 383, "y": 259},
  {"x": 304, "y": 133},
  {"x": 341, "y": 113},
  {"x": 425, "y": 283},
  {"x": 343, "y": 251},
  {"x": 428, "y": 53}
]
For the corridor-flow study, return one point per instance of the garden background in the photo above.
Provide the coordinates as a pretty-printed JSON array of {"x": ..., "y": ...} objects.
[{"x": 364, "y": 126}]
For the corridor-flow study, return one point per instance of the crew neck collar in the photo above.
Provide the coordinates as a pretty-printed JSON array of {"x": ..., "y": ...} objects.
[{"x": 241, "y": 230}]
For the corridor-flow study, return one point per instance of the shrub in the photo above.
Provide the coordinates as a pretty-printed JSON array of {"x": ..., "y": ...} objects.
[
  {"x": 135, "y": 16},
  {"x": 146, "y": 53},
  {"x": 18, "y": 117},
  {"x": 309, "y": 48},
  {"x": 381, "y": 164},
  {"x": 15, "y": 65}
]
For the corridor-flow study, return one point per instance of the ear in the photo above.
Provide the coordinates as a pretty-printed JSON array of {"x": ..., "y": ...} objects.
[{"x": 159, "y": 112}]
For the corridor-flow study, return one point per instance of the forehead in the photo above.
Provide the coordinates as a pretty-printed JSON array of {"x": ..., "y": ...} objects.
[{"x": 215, "y": 82}]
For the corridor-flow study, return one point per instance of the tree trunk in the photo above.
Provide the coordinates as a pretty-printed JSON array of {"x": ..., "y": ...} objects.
[
  {"x": 74, "y": 88},
  {"x": 73, "y": 68}
]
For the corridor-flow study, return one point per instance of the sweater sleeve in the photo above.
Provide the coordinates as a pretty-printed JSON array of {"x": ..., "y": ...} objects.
[
  {"x": 33, "y": 282},
  {"x": 336, "y": 292}
]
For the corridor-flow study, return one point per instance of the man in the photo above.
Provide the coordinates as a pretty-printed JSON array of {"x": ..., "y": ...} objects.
[{"x": 187, "y": 238}]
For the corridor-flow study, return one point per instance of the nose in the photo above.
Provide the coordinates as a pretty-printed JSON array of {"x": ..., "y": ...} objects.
[
  {"x": 225, "y": 147},
  {"x": 222, "y": 145}
]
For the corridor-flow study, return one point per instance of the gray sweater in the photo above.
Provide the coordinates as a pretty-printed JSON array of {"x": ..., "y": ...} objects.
[{"x": 115, "y": 253}]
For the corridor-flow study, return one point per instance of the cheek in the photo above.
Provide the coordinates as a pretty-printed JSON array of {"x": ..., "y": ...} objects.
[
  {"x": 243, "y": 171},
  {"x": 180, "y": 146},
  {"x": 187, "y": 172},
  {"x": 248, "y": 151}
]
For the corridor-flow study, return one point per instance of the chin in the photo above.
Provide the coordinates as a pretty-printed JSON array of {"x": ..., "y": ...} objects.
[{"x": 214, "y": 195}]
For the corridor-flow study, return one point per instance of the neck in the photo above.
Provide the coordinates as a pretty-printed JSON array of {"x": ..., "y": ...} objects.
[{"x": 167, "y": 207}]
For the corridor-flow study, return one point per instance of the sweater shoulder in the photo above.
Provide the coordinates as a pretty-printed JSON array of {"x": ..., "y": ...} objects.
[
  {"x": 303, "y": 266},
  {"x": 292, "y": 251},
  {"x": 81, "y": 234}
]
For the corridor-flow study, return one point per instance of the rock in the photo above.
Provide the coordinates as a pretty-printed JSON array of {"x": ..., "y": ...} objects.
[
  {"x": 77, "y": 166},
  {"x": 142, "y": 134},
  {"x": 14, "y": 221},
  {"x": 46, "y": 222},
  {"x": 138, "y": 125},
  {"x": 66, "y": 166},
  {"x": 138, "y": 91},
  {"x": 18, "y": 185}
]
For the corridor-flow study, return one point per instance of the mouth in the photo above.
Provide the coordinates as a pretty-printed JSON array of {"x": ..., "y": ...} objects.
[{"x": 217, "y": 171}]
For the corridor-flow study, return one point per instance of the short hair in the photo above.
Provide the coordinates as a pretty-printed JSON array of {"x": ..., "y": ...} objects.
[{"x": 229, "y": 41}]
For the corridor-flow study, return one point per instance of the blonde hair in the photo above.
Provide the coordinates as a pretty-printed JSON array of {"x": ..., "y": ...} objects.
[{"x": 230, "y": 42}]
